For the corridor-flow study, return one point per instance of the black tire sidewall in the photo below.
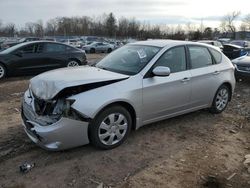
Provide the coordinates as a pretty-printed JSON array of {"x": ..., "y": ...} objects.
[
  {"x": 214, "y": 109},
  {"x": 95, "y": 124}
]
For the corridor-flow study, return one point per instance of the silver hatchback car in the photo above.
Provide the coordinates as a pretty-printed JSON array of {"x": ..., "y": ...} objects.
[{"x": 135, "y": 85}]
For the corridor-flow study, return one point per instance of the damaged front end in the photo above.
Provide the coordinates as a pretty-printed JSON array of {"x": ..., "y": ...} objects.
[{"x": 54, "y": 124}]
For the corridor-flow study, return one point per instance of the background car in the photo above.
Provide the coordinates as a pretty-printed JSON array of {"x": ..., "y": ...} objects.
[
  {"x": 36, "y": 57},
  {"x": 101, "y": 47},
  {"x": 233, "y": 51},
  {"x": 135, "y": 85},
  {"x": 215, "y": 43},
  {"x": 242, "y": 43},
  {"x": 8, "y": 44},
  {"x": 242, "y": 66}
]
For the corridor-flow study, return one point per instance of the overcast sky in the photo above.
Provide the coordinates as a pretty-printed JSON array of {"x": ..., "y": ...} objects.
[{"x": 154, "y": 11}]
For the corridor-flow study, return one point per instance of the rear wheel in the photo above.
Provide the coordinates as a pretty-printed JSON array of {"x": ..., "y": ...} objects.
[
  {"x": 110, "y": 128},
  {"x": 221, "y": 99},
  {"x": 109, "y": 50},
  {"x": 92, "y": 50},
  {"x": 73, "y": 63},
  {"x": 2, "y": 71}
]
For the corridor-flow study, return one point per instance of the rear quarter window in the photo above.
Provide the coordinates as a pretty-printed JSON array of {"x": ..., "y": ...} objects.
[{"x": 216, "y": 55}]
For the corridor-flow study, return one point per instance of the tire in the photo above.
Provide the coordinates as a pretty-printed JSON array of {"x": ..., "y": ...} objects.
[
  {"x": 104, "y": 134},
  {"x": 109, "y": 50},
  {"x": 73, "y": 63},
  {"x": 2, "y": 71},
  {"x": 221, "y": 100},
  {"x": 92, "y": 51}
]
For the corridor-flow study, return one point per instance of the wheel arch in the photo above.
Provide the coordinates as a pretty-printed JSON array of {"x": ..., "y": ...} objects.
[{"x": 127, "y": 106}]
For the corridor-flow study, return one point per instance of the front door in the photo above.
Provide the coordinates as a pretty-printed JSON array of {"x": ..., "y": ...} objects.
[{"x": 169, "y": 95}]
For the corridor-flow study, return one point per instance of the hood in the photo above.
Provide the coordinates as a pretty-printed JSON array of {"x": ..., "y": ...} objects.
[
  {"x": 244, "y": 60},
  {"x": 47, "y": 85}
]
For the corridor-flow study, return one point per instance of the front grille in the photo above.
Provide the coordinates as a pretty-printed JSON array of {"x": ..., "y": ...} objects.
[
  {"x": 243, "y": 68},
  {"x": 43, "y": 107}
]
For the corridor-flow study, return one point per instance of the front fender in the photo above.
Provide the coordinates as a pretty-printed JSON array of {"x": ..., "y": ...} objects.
[{"x": 91, "y": 102}]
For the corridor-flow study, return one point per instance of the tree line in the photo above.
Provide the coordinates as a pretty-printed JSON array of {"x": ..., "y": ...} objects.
[{"x": 107, "y": 25}]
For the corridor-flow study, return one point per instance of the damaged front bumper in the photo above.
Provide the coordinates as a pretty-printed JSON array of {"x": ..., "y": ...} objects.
[{"x": 62, "y": 134}]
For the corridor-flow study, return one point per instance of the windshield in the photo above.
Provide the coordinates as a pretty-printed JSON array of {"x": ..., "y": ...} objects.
[
  {"x": 13, "y": 48},
  {"x": 129, "y": 60}
]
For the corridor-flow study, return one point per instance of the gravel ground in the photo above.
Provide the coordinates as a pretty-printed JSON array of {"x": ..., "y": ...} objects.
[{"x": 194, "y": 150}]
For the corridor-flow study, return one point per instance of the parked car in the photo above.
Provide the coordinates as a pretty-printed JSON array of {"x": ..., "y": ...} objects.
[
  {"x": 242, "y": 43},
  {"x": 8, "y": 44},
  {"x": 135, "y": 85},
  {"x": 73, "y": 42},
  {"x": 101, "y": 47},
  {"x": 215, "y": 43},
  {"x": 36, "y": 57},
  {"x": 242, "y": 65},
  {"x": 233, "y": 51}
]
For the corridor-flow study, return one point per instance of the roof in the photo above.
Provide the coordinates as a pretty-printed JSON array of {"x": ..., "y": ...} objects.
[{"x": 162, "y": 43}]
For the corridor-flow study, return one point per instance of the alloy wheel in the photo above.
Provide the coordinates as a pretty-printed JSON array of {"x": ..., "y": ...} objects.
[
  {"x": 113, "y": 129},
  {"x": 222, "y": 99},
  {"x": 2, "y": 71},
  {"x": 73, "y": 64}
]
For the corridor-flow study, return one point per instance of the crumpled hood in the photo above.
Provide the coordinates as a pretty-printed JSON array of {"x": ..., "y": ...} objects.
[
  {"x": 47, "y": 85},
  {"x": 244, "y": 60}
]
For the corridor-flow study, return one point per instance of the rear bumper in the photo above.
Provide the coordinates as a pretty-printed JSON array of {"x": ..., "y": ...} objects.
[{"x": 63, "y": 134}]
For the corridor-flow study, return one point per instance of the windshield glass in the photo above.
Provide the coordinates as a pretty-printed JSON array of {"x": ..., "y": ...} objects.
[
  {"x": 129, "y": 60},
  {"x": 13, "y": 48}
]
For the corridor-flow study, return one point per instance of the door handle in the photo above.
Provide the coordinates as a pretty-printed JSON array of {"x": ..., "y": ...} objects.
[
  {"x": 185, "y": 79},
  {"x": 216, "y": 72}
]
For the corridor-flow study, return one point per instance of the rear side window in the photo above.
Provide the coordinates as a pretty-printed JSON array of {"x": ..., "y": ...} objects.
[
  {"x": 50, "y": 47},
  {"x": 217, "y": 55},
  {"x": 200, "y": 57}
]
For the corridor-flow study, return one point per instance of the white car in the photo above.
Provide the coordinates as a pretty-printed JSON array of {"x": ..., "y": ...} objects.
[
  {"x": 135, "y": 85},
  {"x": 101, "y": 47}
]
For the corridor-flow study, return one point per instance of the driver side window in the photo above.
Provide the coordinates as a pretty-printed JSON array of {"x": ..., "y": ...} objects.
[
  {"x": 28, "y": 49},
  {"x": 175, "y": 59}
]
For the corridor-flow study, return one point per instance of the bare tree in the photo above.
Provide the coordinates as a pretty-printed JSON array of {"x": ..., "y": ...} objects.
[
  {"x": 246, "y": 22},
  {"x": 10, "y": 29},
  {"x": 228, "y": 22}
]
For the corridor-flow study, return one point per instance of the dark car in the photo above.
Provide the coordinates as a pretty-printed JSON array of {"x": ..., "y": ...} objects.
[
  {"x": 36, "y": 57},
  {"x": 215, "y": 43},
  {"x": 233, "y": 51},
  {"x": 242, "y": 43},
  {"x": 242, "y": 66},
  {"x": 6, "y": 45}
]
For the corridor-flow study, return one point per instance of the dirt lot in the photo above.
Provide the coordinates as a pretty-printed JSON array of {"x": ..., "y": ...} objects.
[{"x": 194, "y": 150}]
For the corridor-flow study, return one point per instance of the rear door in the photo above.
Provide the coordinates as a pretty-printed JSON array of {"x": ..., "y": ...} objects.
[
  {"x": 57, "y": 55},
  {"x": 204, "y": 74},
  {"x": 169, "y": 95}
]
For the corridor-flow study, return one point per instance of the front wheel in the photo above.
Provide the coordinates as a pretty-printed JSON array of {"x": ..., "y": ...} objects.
[
  {"x": 2, "y": 71},
  {"x": 110, "y": 128},
  {"x": 221, "y": 100}
]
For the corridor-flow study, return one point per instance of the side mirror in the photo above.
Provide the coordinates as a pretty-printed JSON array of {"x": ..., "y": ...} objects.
[{"x": 161, "y": 71}]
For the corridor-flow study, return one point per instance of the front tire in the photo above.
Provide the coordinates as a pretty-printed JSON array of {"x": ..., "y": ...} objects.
[
  {"x": 221, "y": 100},
  {"x": 2, "y": 71},
  {"x": 110, "y": 128}
]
